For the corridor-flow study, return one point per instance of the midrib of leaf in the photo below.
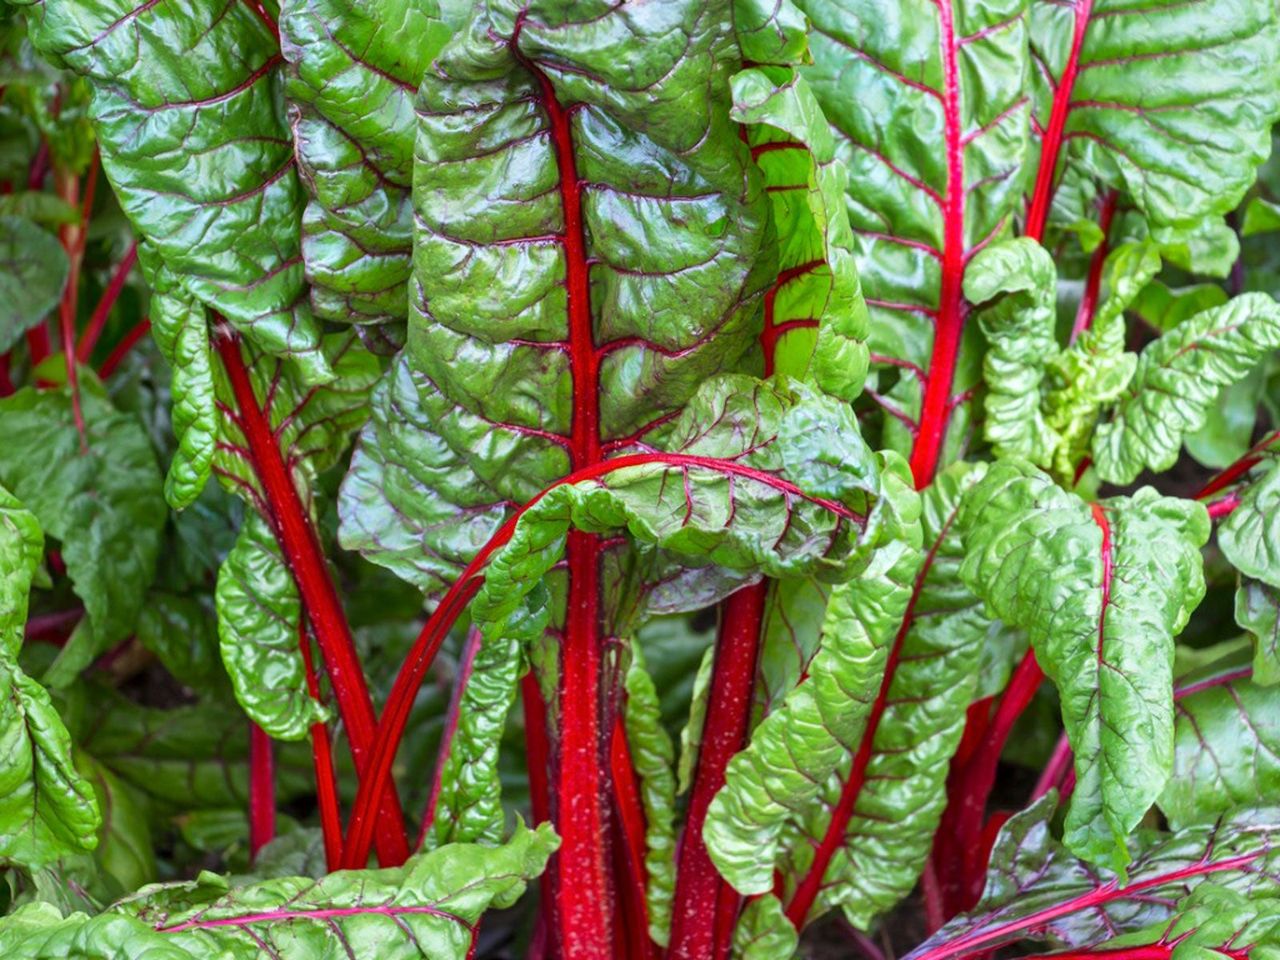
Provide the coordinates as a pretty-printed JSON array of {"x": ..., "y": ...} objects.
[
  {"x": 1105, "y": 893},
  {"x": 583, "y": 863},
  {"x": 806, "y": 893},
  {"x": 1100, "y": 518},
  {"x": 936, "y": 408},
  {"x": 1051, "y": 144},
  {"x": 278, "y": 916}
]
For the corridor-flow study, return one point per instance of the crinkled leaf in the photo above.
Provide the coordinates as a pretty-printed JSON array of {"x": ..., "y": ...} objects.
[
  {"x": 1172, "y": 102},
  {"x": 653, "y": 756},
  {"x": 352, "y": 78},
  {"x": 930, "y": 115},
  {"x": 181, "y": 332},
  {"x": 21, "y": 553},
  {"x": 884, "y": 842},
  {"x": 764, "y": 932},
  {"x": 1037, "y": 891},
  {"x": 104, "y": 503},
  {"x": 1102, "y": 590},
  {"x": 1020, "y": 278},
  {"x": 1258, "y": 611},
  {"x": 1250, "y": 537},
  {"x": 1179, "y": 376},
  {"x": 33, "y": 271},
  {"x": 1226, "y": 747},
  {"x": 258, "y": 626},
  {"x": 821, "y": 721},
  {"x": 816, "y": 291}
]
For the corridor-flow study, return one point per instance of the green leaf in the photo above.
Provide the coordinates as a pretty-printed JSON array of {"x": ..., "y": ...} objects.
[
  {"x": 124, "y": 857},
  {"x": 46, "y": 209},
  {"x": 259, "y": 629},
  {"x": 764, "y": 932},
  {"x": 816, "y": 299},
  {"x": 935, "y": 147},
  {"x": 103, "y": 502},
  {"x": 182, "y": 632},
  {"x": 1102, "y": 590},
  {"x": 351, "y": 81},
  {"x": 180, "y": 330},
  {"x": 1021, "y": 279},
  {"x": 1226, "y": 747},
  {"x": 887, "y": 837},
  {"x": 1258, "y": 611},
  {"x": 1165, "y": 307},
  {"x": 1174, "y": 104},
  {"x": 691, "y": 732},
  {"x": 1037, "y": 891},
  {"x": 33, "y": 271},
  {"x": 1250, "y": 537},
  {"x": 1229, "y": 424},
  {"x": 47, "y": 810},
  {"x": 821, "y": 721},
  {"x": 187, "y": 112},
  {"x": 1179, "y": 377}
]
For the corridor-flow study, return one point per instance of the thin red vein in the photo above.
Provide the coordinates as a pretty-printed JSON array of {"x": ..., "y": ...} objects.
[
  {"x": 772, "y": 332},
  {"x": 935, "y": 411},
  {"x": 1051, "y": 145},
  {"x": 1100, "y": 518},
  {"x": 396, "y": 715}
]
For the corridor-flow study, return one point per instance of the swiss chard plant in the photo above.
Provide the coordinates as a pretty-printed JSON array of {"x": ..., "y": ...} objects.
[{"x": 687, "y": 479}]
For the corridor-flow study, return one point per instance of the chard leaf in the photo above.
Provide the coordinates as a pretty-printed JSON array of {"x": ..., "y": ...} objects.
[
  {"x": 1226, "y": 746},
  {"x": 351, "y": 82},
  {"x": 187, "y": 114},
  {"x": 815, "y": 300},
  {"x": 1178, "y": 378},
  {"x": 1020, "y": 279},
  {"x": 924, "y": 192},
  {"x": 878, "y": 845},
  {"x": 425, "y": 909},
  {"x": 1250, "y": 537},
  {"x": 653, "y": 756},
  {"x": 180, "y": 329},
  {"x": 33, "y": 271},
  {"x": 259, "y": 617},
  {"x": 1172, "y": 102},
  {"x": 764, "y": 932},
  {"x": 1102, "y": 590},
  {"x": 104, "y": 502},
  {"x": 820, "y": 722},
  {"x": 47, "y": 809},
  {"x": 1258, "y": 612}
]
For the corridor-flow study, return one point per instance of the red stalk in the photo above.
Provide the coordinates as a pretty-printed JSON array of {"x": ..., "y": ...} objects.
[
  {"x": 395, "y": 716},
  {"x": 121, "y": 349},
  {"x": 6, "y": 381},
  {"x": 935, "y": 411},
  {"x": 89, "y": 339},
  {"x": 52, "y": 627},
  {"x": 72, "y": 241},
  {"x": 268, "y": 21},
  {"x": 322, "y": 761},
  {"x": 1093, "y": 284},
  {"x": 262, "y": 790},
  {"x": 958, "y": 855},
  {"x": 696, "y": 933},
  {"x": 1224, "y": 506},
  {"x": 1238, "y": 469},
  {"x": 629, "y": 848},
  {"x": 1051, "y": 144},
  {"x": 301, "y": 547},
  {"x": 537, "y": 762}
]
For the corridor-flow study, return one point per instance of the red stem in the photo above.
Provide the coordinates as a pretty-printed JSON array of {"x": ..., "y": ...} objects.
[
  {"x": 1093, "y": 284},
  {"x": 958, "y": 854},
  {"x": 89, "y": 339},
  {"x": 322, "y": 761},
  {"x": 629, "y": 848},
  {"x": 268, "y": 21},
  {"x": 301, "y": 547},
  {"x": 121, "y": 349},
  {"x": 1238, "y": 469},
  {"x": 537, "y": 762},
  {"x": 394, "y": 717},
  {"x": 1051, "y": 145},
  {"x": 700, "y": 920},
  {"x": 52, "y": 627},
  {"x": 6, "y": 380},
  {"x": 262, "y": 790},
  {"x": 71, "y": 235},
  {"x": 935, "y": 411},
  {"x": 1224, "y": 506}
]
